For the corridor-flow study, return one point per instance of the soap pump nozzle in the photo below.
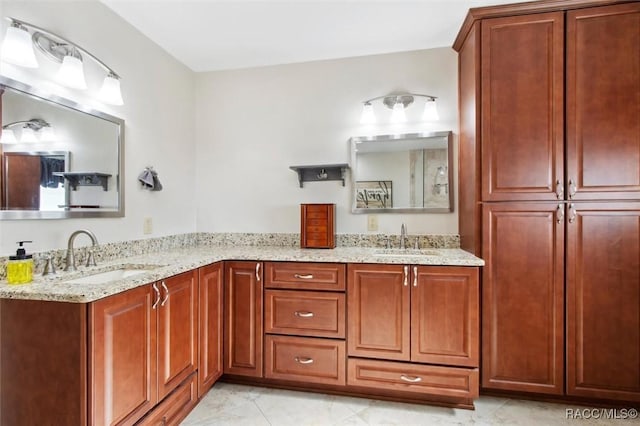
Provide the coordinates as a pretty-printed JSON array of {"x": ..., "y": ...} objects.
[{"x": 21, "y": 253}]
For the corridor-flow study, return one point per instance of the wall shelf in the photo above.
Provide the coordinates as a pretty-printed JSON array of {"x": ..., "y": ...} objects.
[
  {"x": 321, "y": 172},
  {"x": 86, "y": 179}
]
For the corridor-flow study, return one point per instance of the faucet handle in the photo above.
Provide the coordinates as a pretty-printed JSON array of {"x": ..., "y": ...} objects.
[
  {"x": 91, "y": 260},
  {"x": 49, "y": 268},
  {"x": 416, "y": 243},
  {"x": 387, "y": 243}
]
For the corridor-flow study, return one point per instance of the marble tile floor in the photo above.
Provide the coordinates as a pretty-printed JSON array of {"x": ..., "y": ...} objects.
[{"x": 230, "y": 404}]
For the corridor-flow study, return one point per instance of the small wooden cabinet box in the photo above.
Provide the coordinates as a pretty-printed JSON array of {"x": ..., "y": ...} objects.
[{"x": 317, "y": 225}]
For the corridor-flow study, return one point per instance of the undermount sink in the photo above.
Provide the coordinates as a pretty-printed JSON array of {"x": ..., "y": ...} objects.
[
  {"x": 113, "y": 275},
  {"x": 405, "y": 252}
]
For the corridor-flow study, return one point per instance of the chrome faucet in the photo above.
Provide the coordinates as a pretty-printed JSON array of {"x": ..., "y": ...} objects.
[
  {"x": 71, "y": 259},
  {"x": 403, "y": 236}
]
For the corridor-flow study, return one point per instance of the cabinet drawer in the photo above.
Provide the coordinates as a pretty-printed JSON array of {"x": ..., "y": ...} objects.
[
  {"x": 305, "y": 359},
  {"x": 308, "y": 276},
  {"x": 175, "y": 407},
  {"x": 306, "y": 313},
  {"x": 428, "y": 379}
]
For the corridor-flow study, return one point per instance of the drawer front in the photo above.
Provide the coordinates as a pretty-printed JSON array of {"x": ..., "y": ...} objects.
[
  {"x": 305, "y": 313},
  {"x": 175, "y": 407},
  {"x": 306, "y": 276},
  {"x": 406, "y": 377},
  {"x": 305, "y": 359}
]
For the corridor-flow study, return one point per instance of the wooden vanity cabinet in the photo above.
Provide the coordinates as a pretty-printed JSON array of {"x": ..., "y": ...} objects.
[
  {"x": 243, "y": 327},
  {"x": 211, "y": 303},
  {"x": 416, "y": 314},
  {"x": 143, "y": 344}
]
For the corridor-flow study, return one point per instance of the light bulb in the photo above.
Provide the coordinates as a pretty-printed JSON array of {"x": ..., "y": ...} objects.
[
  {"x": 8, "y": 137},
  {"x": 397, "y": 114},
  {"x": 47, "y": 134},
  {"x": 17, "y": 48},
  {"x": 367, "y": 117},
  {"x": 71, "y": 73},
  {"x": 430, "y": 111},
  {"x": 110, "y": 91},
  {"x": 28, "y": 135}
]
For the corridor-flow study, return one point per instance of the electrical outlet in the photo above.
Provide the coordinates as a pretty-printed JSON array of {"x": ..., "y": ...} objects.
[
  {"x": 372, "y": 222},
  {"x": 147, "y": 226}
]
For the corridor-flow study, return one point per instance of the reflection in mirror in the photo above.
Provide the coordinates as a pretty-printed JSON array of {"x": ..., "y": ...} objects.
[
  {"x": 59, "y": 159},
  {"x": 402, "y": 173}
]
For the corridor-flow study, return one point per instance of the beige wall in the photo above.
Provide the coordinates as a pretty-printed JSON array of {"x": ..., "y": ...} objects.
[
  {"x": 252, "y": 124},
  {"x": 159, "y": 114}
]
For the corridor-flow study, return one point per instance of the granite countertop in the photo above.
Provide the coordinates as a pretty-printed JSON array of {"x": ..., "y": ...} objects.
[{"x": 164, "y": 264}]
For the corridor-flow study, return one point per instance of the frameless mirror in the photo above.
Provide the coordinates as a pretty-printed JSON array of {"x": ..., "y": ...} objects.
[
  {"x": 402, "y": 173},
  {"x": 59, "y": 159}
]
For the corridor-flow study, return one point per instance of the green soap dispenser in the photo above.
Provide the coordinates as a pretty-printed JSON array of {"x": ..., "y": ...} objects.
[{"x": 20, "y": 266}]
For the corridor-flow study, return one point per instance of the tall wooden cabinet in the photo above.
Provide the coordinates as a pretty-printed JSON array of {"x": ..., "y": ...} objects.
[
  {"x": 243, "y": 332},
  {"x": 550, "y": 146}
]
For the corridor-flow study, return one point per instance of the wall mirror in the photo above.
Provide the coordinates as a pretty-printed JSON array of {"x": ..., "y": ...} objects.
[
  {"x": 59, "y": 159},
  {"x": 402, "y": 173}
]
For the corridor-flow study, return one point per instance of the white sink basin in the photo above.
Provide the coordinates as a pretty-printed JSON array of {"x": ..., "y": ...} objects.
[
  {"x": 405, "y": 253},
  {"x": 113, "y": 275}
]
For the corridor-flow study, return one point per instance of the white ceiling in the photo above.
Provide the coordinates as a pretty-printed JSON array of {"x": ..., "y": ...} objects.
[{"x": 208, "y": 35}]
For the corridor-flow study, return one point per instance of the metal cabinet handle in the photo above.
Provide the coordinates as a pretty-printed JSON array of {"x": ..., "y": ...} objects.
[
  {"x": 559, "y": 189},
  {"x": 415, "y": 276},
  {"x": 572, "y": 213},
  {"x": 406, "y": 276},
  {"x": 166, "y": 293},
  {"x": 572, "y": 188},
  {"x": 303, "y": 360},
  {"x": 410, "y": 379},
  {"x": 257, "y": 271},
  {"x": 303, "y": 314},
  {"x": 304, "y": 277},
  {"x": 560, "y": 213},
  {"x": 157, "y": 300}
]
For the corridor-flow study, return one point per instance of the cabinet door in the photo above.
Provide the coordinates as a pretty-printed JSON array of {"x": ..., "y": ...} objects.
[
  {"x": 603, "y": 102},
  {"x": 523, "y": 297},
  {"x": 603, "y": 300},
  {"x": 211, "y": 286},
  {"x": 445, "y": 323},
  {"x": 123, "y": 357},
  {"x": 522, "y": 76},
  {"x": 378, "y": 311},
  {"x": 243, "y": 318},
  {"x": 177, "y": 331}
]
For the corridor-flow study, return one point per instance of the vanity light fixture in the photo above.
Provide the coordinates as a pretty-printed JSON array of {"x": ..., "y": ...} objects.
[
  {"x": 18, "y": 50},
  {"x": 29, "y": 130},
  {"x": 398, "y": 104}
]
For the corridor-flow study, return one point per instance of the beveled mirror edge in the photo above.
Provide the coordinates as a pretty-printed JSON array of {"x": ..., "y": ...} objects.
[
  {"x": 42, "y": 95},
  {"x": 402, "y": 136}
]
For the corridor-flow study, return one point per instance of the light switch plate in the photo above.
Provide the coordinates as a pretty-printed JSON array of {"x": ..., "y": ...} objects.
[
  {"x": 147, "y": 226},
  {"x": 372, "y": 222}
]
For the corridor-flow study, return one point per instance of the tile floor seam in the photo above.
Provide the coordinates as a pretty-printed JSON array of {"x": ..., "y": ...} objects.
[{"x": 262, "y": 412}]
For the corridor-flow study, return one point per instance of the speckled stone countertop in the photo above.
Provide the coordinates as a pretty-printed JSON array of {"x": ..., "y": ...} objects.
[{"x": 164, "y": 264}]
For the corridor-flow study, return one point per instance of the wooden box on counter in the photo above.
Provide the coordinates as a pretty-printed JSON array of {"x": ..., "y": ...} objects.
[{"x": 317, "y": 225}]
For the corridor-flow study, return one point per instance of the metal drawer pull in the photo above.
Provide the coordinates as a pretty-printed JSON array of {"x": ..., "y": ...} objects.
[
  {"x": 303, "y": 314},
  {"x": 304, "y": 360},
  {"x": 572, "y": 188},
  {"x": 406, "y": 276},
  {"x": 559, "y": 190},
  {"x": 304, "y": 277},
  {"x": 257, "y": 272},
  {"x": 560, "y": 213},
  {"x": 410, "y": 379},
  {"x": 166, "y": 294},
  {"x": 415, "y": 276},
  {"x": 572, "y": 213},
  {"x": 155, "y": 302}
]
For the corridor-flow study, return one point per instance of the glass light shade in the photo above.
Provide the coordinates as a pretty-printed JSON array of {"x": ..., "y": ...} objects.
[
  {"x": 110, "y": 91},
  {"x": 28, "y": 135},
  {"x": 8, "y": 137},
  {"x": 397, "y": 114},
  {"x": 17, "y": 48},
  {"x": 367, "y": 117},
  {"x": 430, "y": 111},
  {"x": 71, "y": 73},
  {"x": 47, "y": 134}
]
